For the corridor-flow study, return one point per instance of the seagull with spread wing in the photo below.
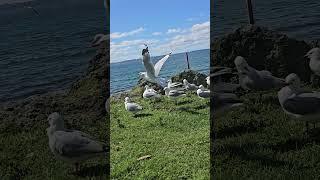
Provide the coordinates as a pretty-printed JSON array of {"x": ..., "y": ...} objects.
[{"x": 152, "y": 71}]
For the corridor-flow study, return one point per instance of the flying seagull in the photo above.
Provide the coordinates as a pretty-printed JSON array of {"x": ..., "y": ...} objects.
[
  {"x": 152, "y": 71},
  {"x": 98, "y": 39},
  {"x": 72, "y": 146}
]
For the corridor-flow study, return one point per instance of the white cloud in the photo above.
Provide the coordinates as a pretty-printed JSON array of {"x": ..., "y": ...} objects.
[
  {"x": 13, "y": 1},
  {"x": 117, "y": 35},
  {"x": 156, "y": 33},
  {"x": 193, "y": 38},
  {"x": 171, "y": 31}
]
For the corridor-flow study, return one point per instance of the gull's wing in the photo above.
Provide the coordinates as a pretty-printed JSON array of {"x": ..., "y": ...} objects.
[
  {"x": 75, "y": 144},
  {"x": 159, "y": 64},
  {"x": 305, "y": 103}
]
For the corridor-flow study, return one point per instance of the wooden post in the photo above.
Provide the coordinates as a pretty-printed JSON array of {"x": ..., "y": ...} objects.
[
  {"x": 250, "y": 12},
  {"x": 188, "y": 60}
]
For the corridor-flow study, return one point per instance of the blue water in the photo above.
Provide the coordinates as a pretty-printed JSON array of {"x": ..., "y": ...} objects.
[
  {"x": 299, "y": 19},
  {"x": 124, "y": 75},
  {"x": 42, "y": 53}
]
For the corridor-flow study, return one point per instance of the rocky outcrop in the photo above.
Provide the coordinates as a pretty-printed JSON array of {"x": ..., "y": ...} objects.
[
  {"x": 263, "y": 49},
  {"x": 191, "y": 76}
]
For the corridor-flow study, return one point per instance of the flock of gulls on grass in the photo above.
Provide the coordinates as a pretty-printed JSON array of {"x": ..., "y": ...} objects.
[
  {"x": 172, "y": 90},
  {"x": 296, "y": 102}
]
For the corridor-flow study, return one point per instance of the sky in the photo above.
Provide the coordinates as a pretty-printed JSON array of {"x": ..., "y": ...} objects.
[
  {"x": 164, "y": 25},
  {"x": 13, "y": 1}
]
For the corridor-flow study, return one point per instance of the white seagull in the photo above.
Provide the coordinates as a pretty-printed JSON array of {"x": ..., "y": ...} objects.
[
  {"x": 189, "y": 86},
  {"x": 173, "y": 93},
  {"x": 314, "y": 64},
  {"x": 202, "y": 92},
  {"x": 252, "y": 79},
  {"x": 150, "y": 93},
  {"x": 208, "y": 80},
  {"x": 152, "y": 71},
  {"x": 131, "y": 107},
  {"x": 72, "y": 146},
  {"x": 98, "y": 39},
  {"x": 175, "y": 85},
  {"x": 298, "y": 103}
]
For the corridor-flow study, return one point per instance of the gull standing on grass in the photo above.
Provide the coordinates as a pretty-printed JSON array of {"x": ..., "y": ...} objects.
[
  {"x": 72, "y": 146},
  {"x": 150, "y": 93},
  {"x": 131, "y": 106},
  {"x": 189, "y": 86},
  {"x": 203, "y": 93},
  {"x": 314, "y": 64},
  {"x": 252, "y": 79},
  {"x": 223, "y": 102},
  {"x": 173, "y": 93},
  {"x": 152, "y": 71},
  {"x": 175, "y": 85},
  {"x": 298, "y": 103}
]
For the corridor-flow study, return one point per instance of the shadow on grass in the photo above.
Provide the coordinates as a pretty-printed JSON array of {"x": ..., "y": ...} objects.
[
  {"x": 142, "y": 115},
  {"x": 184, "y": 102},
  {"x": 188, "y": 110},
  {"x": 238, "y": 130},
  {"x": 201, "y": 107},
  {"x": 94, "y": 171},
  {"x": 244, "y": 153}
]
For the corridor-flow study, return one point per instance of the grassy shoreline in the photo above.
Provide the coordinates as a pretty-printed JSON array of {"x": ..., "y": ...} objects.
[{"x": 175, "y": 136}]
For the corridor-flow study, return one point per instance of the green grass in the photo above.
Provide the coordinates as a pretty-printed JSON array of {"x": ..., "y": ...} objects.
[
  {"x": 25, "y": 154},
  {"x": 259, "y": 141},
  {"x": 175, "y": 136}
]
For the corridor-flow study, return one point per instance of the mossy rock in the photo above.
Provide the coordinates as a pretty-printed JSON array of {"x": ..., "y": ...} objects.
[
  {"x": 191, "y": 76},
  {"x": 263, "y": 49}
]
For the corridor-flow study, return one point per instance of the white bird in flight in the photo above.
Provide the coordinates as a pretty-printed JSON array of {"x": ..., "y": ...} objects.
[
  {"x": 152, "y": 71},
  {"x": 72, "y": 146}
]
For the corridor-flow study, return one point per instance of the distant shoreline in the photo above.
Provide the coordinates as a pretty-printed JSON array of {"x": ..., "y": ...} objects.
[{"x": 156, "y": 56}]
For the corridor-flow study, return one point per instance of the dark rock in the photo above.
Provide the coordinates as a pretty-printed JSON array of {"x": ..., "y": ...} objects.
[
  {"x": 263, "y": 49},
  {"x": 191, "y": 76}
]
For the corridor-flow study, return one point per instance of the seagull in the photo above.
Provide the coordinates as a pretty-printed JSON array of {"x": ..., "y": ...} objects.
[
  {"x": 98, "y": 39},
  {"x": 298, "y": 103},
  {"x": 146, "y": 87},
  {"x": 150, "y": 93},
  {"x": 208, "y": 80},
  {"x": 314, "y": 64},
  {"x": 72, "y": 146},
  {"x": 252, "y": 79},
  {"x": 189, "y": 86},
  {"x": 223, "y": 102},
  {"x": 175, "y": 85},
  {"x": 131, "y": 107},
  {"x": 173, "y": 93},
  {"x": 152, "y": 71},
  {"x": 203, "y": 93}
]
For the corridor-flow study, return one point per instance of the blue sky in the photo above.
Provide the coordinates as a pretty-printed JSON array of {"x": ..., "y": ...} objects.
[{"x": 165, "y": 25}]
